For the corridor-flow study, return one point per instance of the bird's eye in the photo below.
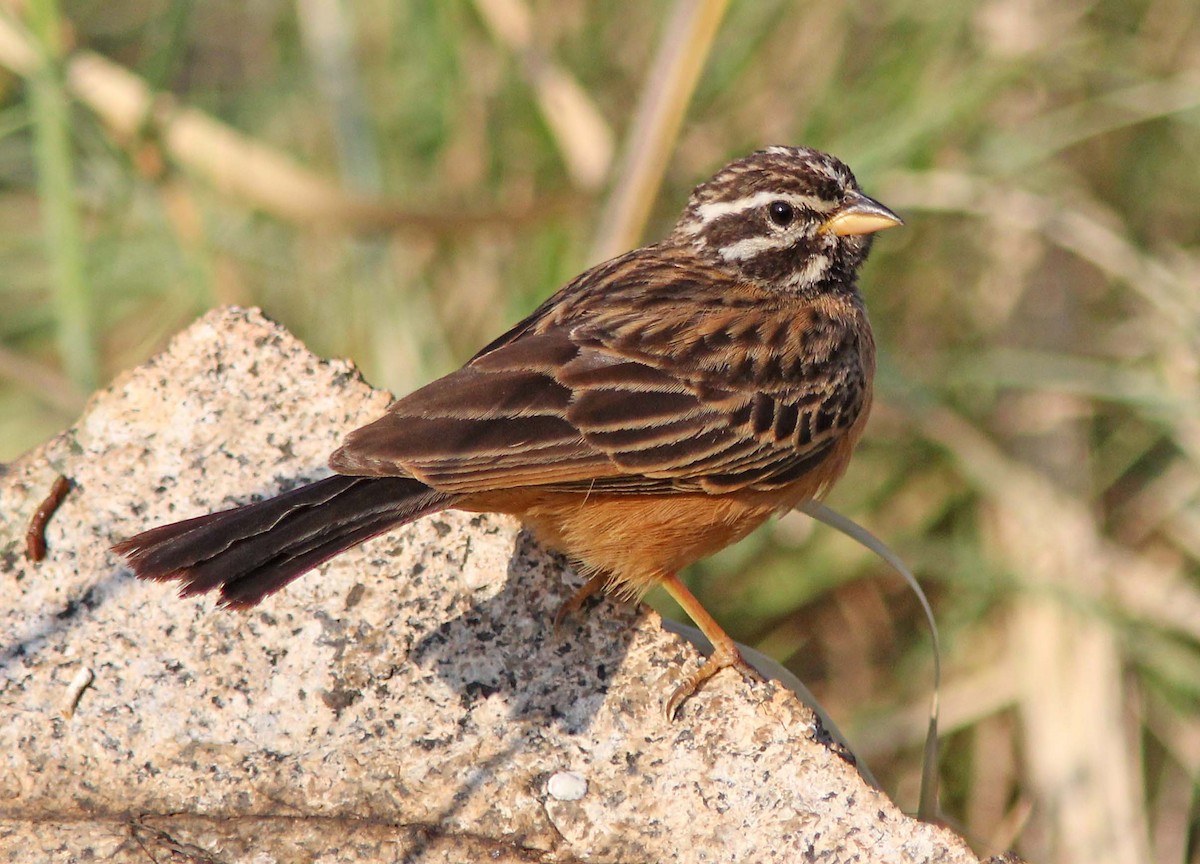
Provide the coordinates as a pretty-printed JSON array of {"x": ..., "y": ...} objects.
[{"x": 781, "y": 213}]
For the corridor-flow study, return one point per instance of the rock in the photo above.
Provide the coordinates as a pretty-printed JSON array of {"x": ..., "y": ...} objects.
[{"x": 409, "y": 701}]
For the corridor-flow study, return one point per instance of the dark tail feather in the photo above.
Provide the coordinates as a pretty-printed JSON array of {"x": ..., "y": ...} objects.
[{"x": 252, "y": 551}]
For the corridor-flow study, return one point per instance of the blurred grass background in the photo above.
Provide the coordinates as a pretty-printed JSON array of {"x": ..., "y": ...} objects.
[{"x": 408, "y": 178}]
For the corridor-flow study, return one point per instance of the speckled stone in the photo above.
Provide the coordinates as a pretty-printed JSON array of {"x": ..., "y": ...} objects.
[{"x": 406, "y": 702}]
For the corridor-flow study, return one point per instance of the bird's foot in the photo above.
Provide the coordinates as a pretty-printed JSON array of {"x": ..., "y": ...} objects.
[{"x": 723, "y": 657}]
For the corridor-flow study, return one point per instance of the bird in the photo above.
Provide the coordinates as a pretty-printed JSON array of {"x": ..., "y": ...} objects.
[{"x": 654, "y": 410}]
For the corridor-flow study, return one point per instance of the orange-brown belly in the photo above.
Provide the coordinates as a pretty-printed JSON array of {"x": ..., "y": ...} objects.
[
  {"x": 639, "y": 540},
  {"x": 636, "y": 540}
]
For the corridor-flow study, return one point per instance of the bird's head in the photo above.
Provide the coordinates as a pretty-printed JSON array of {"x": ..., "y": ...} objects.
[{"x": 791, "y": 219}]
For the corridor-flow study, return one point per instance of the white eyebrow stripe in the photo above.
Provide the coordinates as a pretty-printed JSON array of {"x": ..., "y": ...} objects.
[{"x": 716, "y": 209}]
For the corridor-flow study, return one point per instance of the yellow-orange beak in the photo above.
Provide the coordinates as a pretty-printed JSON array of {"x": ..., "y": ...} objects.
[{"x": 860, "y": 215}]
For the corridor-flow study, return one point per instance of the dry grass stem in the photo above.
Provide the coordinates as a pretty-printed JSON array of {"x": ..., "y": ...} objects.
[
  {"x": 583, "y": 136},
  {"x": 231, "y": 161},
  {"x": 686, "y": 41}
]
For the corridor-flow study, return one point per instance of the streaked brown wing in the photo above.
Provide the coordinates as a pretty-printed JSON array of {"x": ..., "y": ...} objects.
[
  {"x": 622, "y": 398},
  {"x": 596, "y": 421},
  {"x": 685, "y": 432}
]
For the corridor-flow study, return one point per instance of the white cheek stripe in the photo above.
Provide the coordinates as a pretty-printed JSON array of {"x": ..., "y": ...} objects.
[
  {"x": 715, "y": 210},
  {"x": 812, "y": 272},
  {"x": 752, "y": 246}
]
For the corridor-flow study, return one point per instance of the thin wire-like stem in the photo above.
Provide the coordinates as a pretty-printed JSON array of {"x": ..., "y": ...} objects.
[{"x": 928, "y": 807}]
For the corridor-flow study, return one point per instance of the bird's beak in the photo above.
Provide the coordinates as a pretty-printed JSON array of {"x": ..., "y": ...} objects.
[{"x": 860, "y": 215}]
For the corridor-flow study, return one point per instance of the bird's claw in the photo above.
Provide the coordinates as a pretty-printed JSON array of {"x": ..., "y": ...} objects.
[{"x": 715, "y": 663}]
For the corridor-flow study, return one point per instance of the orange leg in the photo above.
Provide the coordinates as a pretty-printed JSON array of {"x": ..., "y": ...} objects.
[
  {"x": 572, "y": 604},
  {"x": 724, "y": 655}
]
